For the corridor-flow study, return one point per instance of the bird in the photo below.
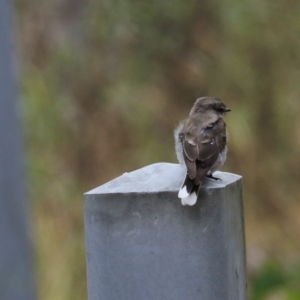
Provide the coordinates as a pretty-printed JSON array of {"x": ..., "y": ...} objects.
[{"x": 201, "y": 145}]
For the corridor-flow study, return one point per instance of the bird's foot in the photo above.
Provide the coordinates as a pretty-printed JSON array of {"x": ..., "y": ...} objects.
[{"x": 212, "y": 177}]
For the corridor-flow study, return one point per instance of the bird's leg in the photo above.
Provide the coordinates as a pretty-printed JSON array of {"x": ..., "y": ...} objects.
[{"x": 212, "y": 177}]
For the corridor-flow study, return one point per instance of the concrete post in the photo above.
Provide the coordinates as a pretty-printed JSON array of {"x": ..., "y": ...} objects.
[{"x": 142, "y": 244}]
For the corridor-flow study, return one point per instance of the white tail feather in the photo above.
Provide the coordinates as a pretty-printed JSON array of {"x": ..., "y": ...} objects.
[
  {"x": 189, "y": 200},
  {"x": 183, "y": 193}
]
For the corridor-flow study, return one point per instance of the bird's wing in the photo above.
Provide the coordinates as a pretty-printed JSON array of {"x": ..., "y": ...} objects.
[{"x": 202, "y": 146}]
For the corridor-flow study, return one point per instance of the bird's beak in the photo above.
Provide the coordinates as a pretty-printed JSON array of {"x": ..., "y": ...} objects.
[{"x": 227, "y": 109}]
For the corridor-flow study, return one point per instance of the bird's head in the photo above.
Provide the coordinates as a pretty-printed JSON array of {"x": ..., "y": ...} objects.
[{"x": 209, "y": 103}]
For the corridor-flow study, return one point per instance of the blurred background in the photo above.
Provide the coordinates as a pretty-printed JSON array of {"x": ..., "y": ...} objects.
[{"x": 103, "y": 83}]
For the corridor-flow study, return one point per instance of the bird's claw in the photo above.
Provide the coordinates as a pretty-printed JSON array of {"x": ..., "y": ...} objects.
[{"x": 212, "y": 177}]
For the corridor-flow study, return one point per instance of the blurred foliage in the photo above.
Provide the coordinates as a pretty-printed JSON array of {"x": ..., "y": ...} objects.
[
  {"x": 103, "y": 84},
  {"x": 275, "y": 281}
]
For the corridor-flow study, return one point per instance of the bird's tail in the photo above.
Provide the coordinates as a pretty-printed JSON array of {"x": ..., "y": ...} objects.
[{"x": 188, "y": 192}]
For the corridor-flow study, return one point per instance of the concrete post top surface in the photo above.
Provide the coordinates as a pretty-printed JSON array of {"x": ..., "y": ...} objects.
[{"x": 159, "y": 177}]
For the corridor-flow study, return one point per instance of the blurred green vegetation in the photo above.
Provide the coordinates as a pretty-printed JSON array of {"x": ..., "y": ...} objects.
[
  {"x": 103, "y": 84},
  {"x": 275, "y": 281}
]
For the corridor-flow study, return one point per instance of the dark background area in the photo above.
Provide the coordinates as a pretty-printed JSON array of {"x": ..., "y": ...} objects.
[{"x": 102, "y": 86}]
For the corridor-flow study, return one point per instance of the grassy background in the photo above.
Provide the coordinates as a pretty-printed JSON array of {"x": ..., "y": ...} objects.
[{"x": 103, "y": 84}]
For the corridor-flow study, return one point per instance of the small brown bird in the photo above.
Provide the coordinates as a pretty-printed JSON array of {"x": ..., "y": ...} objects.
[{"x": 200, "y": 143}]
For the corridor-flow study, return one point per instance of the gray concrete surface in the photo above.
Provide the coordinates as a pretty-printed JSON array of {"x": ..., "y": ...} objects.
[{"x": 142, "y": 244}]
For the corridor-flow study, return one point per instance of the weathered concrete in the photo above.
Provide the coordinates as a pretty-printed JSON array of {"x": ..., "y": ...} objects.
[{"x": 142, "y": 244}]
